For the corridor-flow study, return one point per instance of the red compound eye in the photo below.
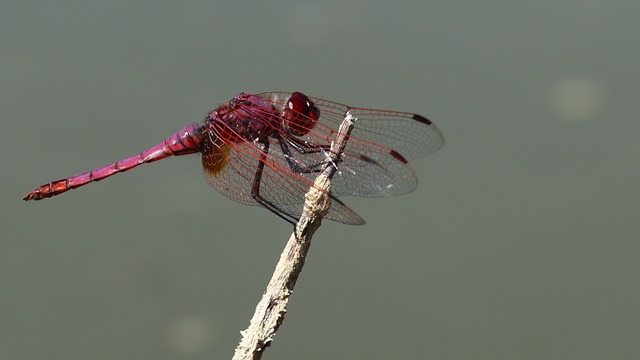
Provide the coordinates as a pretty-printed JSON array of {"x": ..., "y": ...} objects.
[{"x": 300, "y": 115}]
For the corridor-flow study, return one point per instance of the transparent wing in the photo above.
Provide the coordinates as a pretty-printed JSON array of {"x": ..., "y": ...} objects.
[
  {"x": 411, "y": 135},
  {"x": 365, "y": 168},
  {"x": 233, "y": 169}
]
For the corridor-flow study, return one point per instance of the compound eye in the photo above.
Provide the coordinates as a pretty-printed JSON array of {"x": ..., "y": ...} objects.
[
  {"x": 301, "y": 114},
  {"x": 300, "y": 103}
]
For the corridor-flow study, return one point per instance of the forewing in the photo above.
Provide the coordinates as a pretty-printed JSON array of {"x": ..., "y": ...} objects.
[{"x": 411, "y": 135}]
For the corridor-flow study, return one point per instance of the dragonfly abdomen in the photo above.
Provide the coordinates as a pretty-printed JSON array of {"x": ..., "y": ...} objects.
[{"x": 185, "y": 141}]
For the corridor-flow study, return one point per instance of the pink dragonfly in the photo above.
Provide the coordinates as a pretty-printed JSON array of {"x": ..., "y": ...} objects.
[{"x": 266, "y": 150}]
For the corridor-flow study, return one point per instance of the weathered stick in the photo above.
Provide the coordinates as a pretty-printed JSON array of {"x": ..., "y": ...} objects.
[{"x": 272, "y": 307}]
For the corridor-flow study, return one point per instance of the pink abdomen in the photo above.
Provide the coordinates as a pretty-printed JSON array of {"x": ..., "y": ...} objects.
[{"x": 185, "y": 141}]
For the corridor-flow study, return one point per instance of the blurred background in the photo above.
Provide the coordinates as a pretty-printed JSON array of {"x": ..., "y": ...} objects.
[{"x": 521, "y": 241}]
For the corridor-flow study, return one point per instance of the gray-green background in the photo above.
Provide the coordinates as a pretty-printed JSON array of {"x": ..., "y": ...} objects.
[{"x": 521, "y": 242}]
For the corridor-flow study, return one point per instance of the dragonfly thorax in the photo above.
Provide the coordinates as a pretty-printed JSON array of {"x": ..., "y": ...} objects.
[{"x": 247, "y": 117}]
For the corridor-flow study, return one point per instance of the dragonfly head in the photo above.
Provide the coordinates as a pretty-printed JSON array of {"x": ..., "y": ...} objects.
[{"x": 300, "y": 114}]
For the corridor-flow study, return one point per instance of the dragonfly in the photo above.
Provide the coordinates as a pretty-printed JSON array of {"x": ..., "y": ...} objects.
[{"x": 266, "y": 149}]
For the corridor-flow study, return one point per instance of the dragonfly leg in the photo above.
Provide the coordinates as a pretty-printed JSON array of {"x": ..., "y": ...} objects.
[
  {"x": 302, "y": 148},
  {"x": 305, "y": 148},
  {"x": 255, "y": 190}
]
